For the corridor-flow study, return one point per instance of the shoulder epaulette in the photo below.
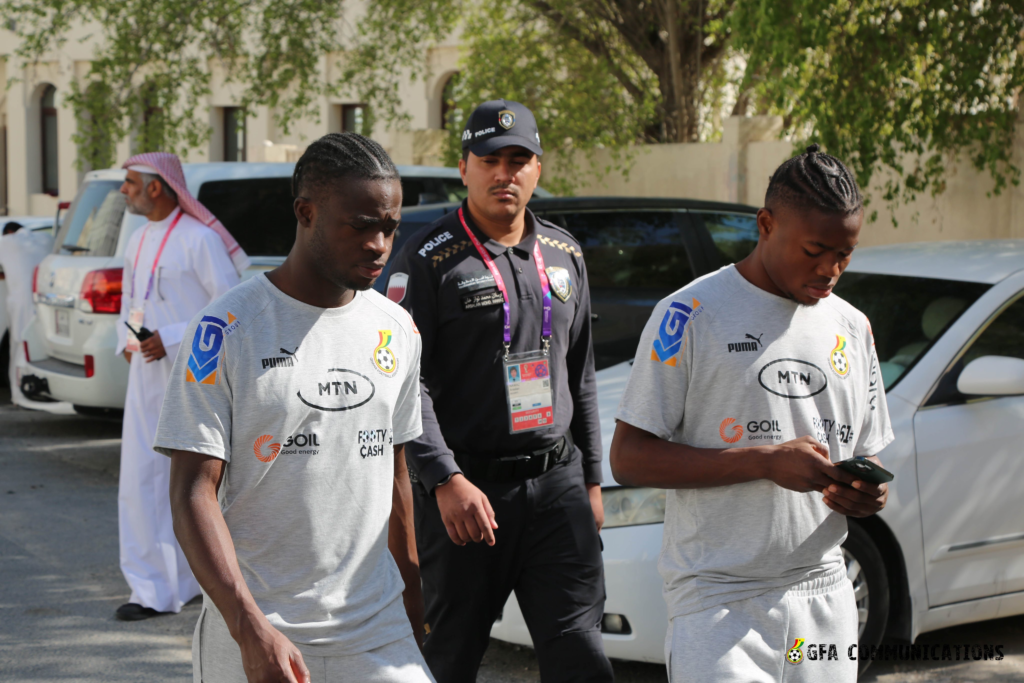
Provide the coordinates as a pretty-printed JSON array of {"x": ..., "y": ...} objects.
[
  {"x": 450, "y": 250},
  {"x": 558, "y": 244}
]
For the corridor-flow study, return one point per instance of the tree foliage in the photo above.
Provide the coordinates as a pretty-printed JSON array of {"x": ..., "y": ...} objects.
[
  {"x": 151, "y": 70},
  {"x": 899, "y": 88},
  {"x": 905, "y": 86},
  {"x": 571, "y": 118}
]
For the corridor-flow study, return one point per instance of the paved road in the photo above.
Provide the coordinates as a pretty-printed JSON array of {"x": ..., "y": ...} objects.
[{"x": 60, "y": 583}]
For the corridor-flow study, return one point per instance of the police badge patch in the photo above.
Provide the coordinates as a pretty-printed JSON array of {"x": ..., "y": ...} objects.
[
  {"x": 561, "y": 283},
  {"x": 506, "y": 118}
]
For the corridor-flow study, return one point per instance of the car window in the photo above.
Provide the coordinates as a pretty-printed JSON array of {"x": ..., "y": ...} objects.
[
  {"x": 93, "y": 221},
  {"x": 907, "y": 314},
  {"x": 734, "y": 234},
  {"x": 634, "y": 259},
  {"x": 627, "y": 249},
  {"x": 1002, "y": 337},
  {"x": 256, "y": 211},
  {"x": 453, "y": 189},
  {"x": 417, "y": 191}
]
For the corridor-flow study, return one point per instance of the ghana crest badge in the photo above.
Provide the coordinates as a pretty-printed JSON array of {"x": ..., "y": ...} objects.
[
  {"x": 506, "y": 118},
  {"x": 561, "y": 283},
  {"x": 838, "y": 359},
  {"x": 795, "y": 654},
  {"x": 383, "y": 357}
]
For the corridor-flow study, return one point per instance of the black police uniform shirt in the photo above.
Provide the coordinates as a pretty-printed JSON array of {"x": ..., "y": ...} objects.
[{"x": 441, "y": 280}]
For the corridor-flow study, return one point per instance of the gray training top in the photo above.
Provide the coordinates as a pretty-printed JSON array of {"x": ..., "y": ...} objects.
[
  {"x": 305, "y": 404},
  {"x": 724, "y": 364}
]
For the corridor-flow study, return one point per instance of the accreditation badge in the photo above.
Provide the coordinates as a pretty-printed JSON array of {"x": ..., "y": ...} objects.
[
  {"x": 135, "y": 319},
  {"x": 528, "y": 389}
]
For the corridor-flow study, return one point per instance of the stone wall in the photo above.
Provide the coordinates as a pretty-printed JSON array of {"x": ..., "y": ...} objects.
[{"x": 737, "y": 169}]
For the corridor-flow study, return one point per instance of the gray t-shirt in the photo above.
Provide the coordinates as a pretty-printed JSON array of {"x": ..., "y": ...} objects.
[
  {"x": 304, "y": 404},
  {"x": 723, "y": 363}
]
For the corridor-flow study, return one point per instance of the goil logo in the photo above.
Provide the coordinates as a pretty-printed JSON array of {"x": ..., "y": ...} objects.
[
  {"x": 383, "y": 357},
  {"x": 795, "y": 654},
  {"x": 725, "y": 428},
  {"x": 838, "y": 360},
  {"x": 272, "y": 449}
]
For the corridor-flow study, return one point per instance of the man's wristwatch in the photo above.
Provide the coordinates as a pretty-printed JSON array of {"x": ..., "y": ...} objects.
[{"x": 445, "y": 480}]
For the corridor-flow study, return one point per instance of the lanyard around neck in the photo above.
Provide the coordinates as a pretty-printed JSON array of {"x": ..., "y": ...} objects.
[
  {"x": 545, "y": 286},
  {"x": 159, "y": 252}
]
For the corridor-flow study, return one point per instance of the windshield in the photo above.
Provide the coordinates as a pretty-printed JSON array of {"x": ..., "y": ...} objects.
[
  {"x": 256, "y": 211},
  {"x": 907, "y": 314},
  {"x": 93, "y": 223}
]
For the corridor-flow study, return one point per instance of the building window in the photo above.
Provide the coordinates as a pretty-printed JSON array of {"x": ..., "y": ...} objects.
[
  {"x": 152, "y": 133},
  {"x": 451, "y": 116},
  {"x": 355, "y": 119},
  {"x": 48, "y": 110},
  {"x": 234, "y": 134}
]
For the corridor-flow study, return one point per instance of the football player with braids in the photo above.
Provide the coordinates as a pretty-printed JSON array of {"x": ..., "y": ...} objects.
[
  {"x": 286, "y": 426},
  {"x": 745, "y": 438}
]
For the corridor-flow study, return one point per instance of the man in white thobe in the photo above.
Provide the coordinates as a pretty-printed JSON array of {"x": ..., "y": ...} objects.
[
  {"x": 21, "y": 250},
  {"x": 174, "y": 267}
]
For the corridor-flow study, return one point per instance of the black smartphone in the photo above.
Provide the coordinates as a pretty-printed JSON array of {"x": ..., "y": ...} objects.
[{"x": 866, "y": 470}]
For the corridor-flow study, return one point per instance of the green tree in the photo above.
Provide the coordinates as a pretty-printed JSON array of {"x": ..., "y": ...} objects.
[
  {"x": 151, "y": 69},
  {"x": 878, "y": 82},
  {"x": 900, "y": 87},
  {"x": 905, "y": 87}
]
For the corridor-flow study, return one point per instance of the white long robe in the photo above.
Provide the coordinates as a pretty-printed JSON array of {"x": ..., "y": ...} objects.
[
  {"x": 20, "y": 253},
  {"x": 194, "y": 269}
]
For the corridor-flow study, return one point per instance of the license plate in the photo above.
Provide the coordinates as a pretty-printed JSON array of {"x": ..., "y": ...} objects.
[{"x": 63, "y": 323}]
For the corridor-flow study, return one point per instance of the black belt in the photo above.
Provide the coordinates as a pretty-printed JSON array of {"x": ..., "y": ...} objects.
[{"x": 514, "y": 467}]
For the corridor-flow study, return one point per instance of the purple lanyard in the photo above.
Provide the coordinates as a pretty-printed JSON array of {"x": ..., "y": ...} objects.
[
  {"x": 159, "y": 252},
  {"x": 538, "y": 259}
]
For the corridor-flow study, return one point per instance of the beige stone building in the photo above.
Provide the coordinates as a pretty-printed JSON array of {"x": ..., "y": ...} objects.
[{"x": 38, "y": 153}]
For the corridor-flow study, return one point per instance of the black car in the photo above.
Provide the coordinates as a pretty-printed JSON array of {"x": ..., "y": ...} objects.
[{"x": 637, "y": 251}]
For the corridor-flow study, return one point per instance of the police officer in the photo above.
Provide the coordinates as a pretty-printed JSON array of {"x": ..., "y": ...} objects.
[{"x": 509, "y": 464}]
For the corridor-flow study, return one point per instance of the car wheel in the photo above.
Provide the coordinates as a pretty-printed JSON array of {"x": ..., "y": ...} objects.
[{"x": 866, "y": 570}]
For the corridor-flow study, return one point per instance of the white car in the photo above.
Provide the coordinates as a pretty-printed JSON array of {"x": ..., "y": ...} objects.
[
  {"x": 948, "y": 549},
  {"x": 78, "y": 287},
  {"x": 43, "y": 224}
]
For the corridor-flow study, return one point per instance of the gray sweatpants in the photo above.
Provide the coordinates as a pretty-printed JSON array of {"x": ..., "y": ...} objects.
[
  {"x": 748, "y": 641},
  {"x": 217, "y": 659}
]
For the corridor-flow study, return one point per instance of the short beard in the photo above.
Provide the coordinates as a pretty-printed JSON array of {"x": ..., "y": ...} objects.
[
  {"x": 319, "y": 251},
  {"x": 140, "y": 210}
]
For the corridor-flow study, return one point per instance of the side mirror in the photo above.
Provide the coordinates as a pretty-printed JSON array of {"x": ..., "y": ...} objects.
[{"x": 992, "y": 376}]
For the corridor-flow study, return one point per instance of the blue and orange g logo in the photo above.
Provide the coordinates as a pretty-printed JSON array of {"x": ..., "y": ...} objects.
[
  {"x": 670, "y": 334},
  {"x": 206, "y": 347}
]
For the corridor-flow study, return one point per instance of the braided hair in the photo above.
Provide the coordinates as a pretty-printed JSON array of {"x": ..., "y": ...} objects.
[
  {"x": 341, "y": 155},
  {"x": 814, "y": 180}
]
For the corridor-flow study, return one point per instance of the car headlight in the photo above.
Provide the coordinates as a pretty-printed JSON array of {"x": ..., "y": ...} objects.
[{"x": 624, "y": 506}]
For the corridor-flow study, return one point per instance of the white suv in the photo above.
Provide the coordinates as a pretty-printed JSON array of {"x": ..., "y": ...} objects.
[
  {"x": 37, "y": 224},
  {"x": 78, "y": 287}
]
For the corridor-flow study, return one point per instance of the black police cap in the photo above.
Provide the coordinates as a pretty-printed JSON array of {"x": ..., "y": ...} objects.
[{"x": 501, "y": 123}]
